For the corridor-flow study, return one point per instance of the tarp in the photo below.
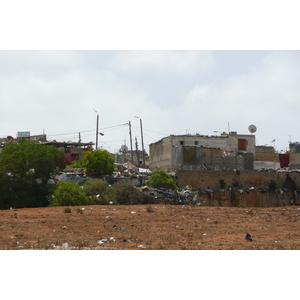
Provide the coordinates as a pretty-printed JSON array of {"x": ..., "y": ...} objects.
[
  {"x": 141, "y": 170},
  {"x": 284, "y": 160}
]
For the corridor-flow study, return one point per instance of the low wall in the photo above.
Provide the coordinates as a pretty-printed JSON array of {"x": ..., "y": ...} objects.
[
  {"x": 253, "y": 198},
  {"x": 211, "y": 179}
]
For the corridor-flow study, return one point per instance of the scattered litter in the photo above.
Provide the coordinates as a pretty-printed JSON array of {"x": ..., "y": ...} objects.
[
  {"x": 208, "y": 220},
  {"x": 112, "y": 239},
  {"x": 122, "y": 228},
  {"x": 91, "y": 208},
  {"x": 265, "y": 228},
  {"x": 199, "y": 243},
  {"x": 82, "y": 208},
  {"x": 204, "y": 234},
  {"x": 114, "y": 225},
  {"x": 102, "y": 241},
  {"x": 125, "y": 240},
  {"x": 141, "y": 246},
  {"x": 64, "y": 245},
  {"x": 64, "y": 228},
  {"x": 133, "y": 212},
  {"x": 248, "y": 237},
  {"x": 110, "y": 202}
]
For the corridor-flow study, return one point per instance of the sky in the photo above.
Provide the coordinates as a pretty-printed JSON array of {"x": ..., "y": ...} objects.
[{"x": 60, "y": 93}]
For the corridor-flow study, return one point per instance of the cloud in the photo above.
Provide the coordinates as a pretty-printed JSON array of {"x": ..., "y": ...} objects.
[{"x": 171, "y": 91}]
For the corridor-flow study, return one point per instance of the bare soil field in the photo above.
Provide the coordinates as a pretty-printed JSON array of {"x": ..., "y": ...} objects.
[{"x": 150, "y": 227}]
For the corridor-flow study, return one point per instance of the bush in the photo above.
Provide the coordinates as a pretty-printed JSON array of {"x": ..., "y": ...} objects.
[
  {"x": 99, "y": 191},
  {"x": 161, "y": 179},
  {"x": 273, "y": 185},
  {"x": 67, "y": 193},
  {"x": 127, "y": 193}
]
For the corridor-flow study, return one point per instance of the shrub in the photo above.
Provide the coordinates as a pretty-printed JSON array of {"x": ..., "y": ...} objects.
[
  {"x": 161, "y": 179},
  {"x": 127, "y": 193},
  {"x": 67, "y": 193},
  {"x": 99, "y": 191},
  {"x": 222, "y": 184},
  {"x": 273, "y": 185}
]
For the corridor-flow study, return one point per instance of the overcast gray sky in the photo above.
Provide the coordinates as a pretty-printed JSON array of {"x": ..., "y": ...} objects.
[
  {"x": 55, "y": 89},
  {"x": 173, "y": 92}
]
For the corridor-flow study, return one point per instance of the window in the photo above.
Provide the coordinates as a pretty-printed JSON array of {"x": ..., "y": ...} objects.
[
  {"x": 182, "y": 143},
  {"x": 196, "y": 143},
  {"x": 242, "y": 145}
]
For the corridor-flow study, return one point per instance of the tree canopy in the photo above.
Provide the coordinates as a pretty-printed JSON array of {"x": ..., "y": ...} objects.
[
  {"x": 161, "y": 179},
  {"x": 97, "y": 162},
  {"x": 31, "y": 160},
  {"x": 20, "y": 165}
]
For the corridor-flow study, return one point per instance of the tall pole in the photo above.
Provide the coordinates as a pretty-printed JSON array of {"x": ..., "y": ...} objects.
[
  {"x": 137, "y": 152},
  {"x": 143, "y": 150},
  {"x": 131, "y": 142},
  {"x": 97, "y": 128},
  {"x": 142, "y": 143},
  {"x": 79, "y": 146}
]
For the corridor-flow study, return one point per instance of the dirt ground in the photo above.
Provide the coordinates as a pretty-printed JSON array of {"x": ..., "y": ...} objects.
[{"x": 150, "y": 227}]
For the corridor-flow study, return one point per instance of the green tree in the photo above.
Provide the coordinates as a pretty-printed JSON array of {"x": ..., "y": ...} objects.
[
  {"x": 20, "y": 165},
  {"x": 98, "y": 162},
  {"x": 99, "y": 191},
  {"x": 29, "y": 160},
  {"x": 68, "y": 193},
  {"x": 161, "y": 179}
]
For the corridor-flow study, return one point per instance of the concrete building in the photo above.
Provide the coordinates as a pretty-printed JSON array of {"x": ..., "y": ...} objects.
[
  {"x": 294, "y": 156},
  {"x": 266, "y": 158},
  {"x": 200, "y": 152}
]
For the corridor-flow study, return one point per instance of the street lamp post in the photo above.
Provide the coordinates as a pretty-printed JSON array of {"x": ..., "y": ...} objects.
[
  {"x": 143, "y": 150},
  {"x": 97, "y": 128}
]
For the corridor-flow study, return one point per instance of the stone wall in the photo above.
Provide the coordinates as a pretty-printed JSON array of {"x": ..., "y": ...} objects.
[
  {"x": 204, "y": 179},
  {"x": 252, "y": 198}
]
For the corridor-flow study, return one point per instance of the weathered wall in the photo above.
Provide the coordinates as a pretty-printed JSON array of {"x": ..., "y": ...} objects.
[
  {"x": 252, "y": 198},
  {"x": 161, "y": 155},
  {"x": 203, "y": 179}
]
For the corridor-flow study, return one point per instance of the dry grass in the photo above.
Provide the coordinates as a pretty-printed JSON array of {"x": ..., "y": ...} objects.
[{"x": 151, "y": 227}]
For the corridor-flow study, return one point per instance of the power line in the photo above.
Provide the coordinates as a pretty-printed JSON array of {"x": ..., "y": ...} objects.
[{"x": 92, "y": 130}]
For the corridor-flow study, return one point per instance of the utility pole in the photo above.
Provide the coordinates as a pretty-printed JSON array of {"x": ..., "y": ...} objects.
[
  {"x": 97, "y": 128},
  {"x": 131, "y": 142},
  {"x": 79, "y": 146},
  {"x": 142, "y": 138},
  {"x": 137, "y": 152}
]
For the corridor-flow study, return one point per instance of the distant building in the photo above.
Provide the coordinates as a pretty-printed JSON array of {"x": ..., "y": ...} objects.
[
  {"x": 294, "y": 156},
  {"x": 266, "y": 158},
  {"x": 200, "y": 152},
  {"x": 135, "y": 157},
  {"x": 72, "y": 150}
]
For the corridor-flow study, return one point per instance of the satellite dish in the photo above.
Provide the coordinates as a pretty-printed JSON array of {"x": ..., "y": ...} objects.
[
  {"x": 252, "y": 128},
  {"x": 124, "y": 149}
]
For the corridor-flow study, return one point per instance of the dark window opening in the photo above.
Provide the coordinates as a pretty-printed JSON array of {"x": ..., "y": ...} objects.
[{"x": 242, "y": 145}]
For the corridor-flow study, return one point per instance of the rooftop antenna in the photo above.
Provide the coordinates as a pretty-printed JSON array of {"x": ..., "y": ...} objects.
[{"x": 228, "y": 127}]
